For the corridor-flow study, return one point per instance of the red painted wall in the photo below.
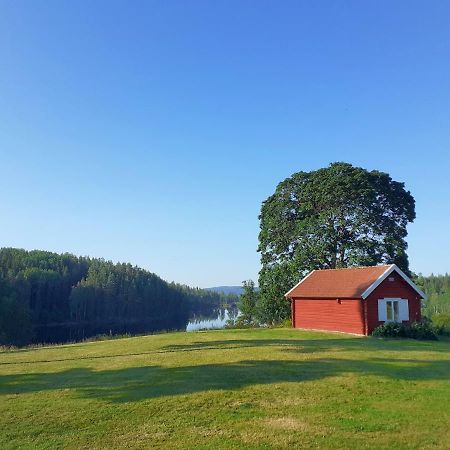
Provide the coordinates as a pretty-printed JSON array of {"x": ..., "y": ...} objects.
[
  {"x": 353, "y": 315},
  {"x": 329, "y": 314},
  {"x": 398, "y": 288}
]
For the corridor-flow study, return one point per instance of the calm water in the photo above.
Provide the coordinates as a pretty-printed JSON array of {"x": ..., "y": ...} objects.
[{"x": 211, "y": 323}]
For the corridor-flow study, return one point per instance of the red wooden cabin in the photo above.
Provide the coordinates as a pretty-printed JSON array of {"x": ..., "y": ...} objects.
[{"x": 354, "y": 300}]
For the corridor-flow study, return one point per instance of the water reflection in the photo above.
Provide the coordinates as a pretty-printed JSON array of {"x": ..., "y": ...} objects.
[{"x": 215, "y": 322}]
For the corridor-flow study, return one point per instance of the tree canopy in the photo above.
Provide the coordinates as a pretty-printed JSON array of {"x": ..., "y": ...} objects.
[
  {"x": 46, "y": 297},
  {"x": 338, "y": 216}
]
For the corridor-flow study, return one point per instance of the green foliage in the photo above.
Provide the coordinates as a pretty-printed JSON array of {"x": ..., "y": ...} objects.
[
  {"x": 15, "y": 318},
  {"x": 434, "y": 284},
  {"x": 287, "y": 323},
  {"x": 273, "y": 308},
  {"x": 238, "y": 323},
  {"x": 247, "y": 303},
  {"x": 437, "y": 288},
  {"x": 120, "y": 292},
  {"x": 390, "y": 329},
  {"x": 46, "y": 297},
  {"x": 437, "y": 306},
  {"x": 442, "y": 323},
  {"x": 333, "y": 217},
  {"x": 416, "y": 330},
  {"x": 423, "y": 331},
  {"x": 205, "y": 302}
]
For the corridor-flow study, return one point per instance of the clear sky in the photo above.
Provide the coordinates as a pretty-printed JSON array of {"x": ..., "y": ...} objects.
[{"x": 151, "y": 131}]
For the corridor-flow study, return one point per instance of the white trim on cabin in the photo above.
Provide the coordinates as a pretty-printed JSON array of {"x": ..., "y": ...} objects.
[
  {"x": 298, "y": 284},
  {"x": 384, "y": 275},
  {"x": 378, "y": 281},
  {"x": 404, "y": 309},
  {"x": 382, "y": 316}
]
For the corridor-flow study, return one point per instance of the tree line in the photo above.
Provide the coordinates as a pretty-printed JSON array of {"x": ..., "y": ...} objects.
[
  {"x": 49, "y": 297},
  {"x": 437, "y": 307}
]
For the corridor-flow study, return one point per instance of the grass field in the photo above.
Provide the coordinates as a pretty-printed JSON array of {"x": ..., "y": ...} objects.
[{"x": 277, "y": 388}]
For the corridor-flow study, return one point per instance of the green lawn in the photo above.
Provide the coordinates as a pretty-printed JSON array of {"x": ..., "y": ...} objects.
[{"x": 276, "y": 388}]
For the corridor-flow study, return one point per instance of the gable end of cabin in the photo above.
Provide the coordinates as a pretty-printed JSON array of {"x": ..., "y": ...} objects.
[{"x": 394, "y": 300}]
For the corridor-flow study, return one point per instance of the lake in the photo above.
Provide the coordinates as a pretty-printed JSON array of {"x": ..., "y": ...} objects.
[
  {"x": 211, "y": 323},
  {"x": 74, "y": 332}
]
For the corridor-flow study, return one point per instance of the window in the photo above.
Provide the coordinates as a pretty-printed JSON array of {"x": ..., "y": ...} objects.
[{"x": 393, "y": 310}]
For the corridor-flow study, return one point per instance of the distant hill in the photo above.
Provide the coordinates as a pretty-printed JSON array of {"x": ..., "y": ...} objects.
[{"x": 237, "y": 290}]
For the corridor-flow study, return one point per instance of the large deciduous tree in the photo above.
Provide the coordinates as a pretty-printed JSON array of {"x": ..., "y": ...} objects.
[{"x": 338, "y": 216}]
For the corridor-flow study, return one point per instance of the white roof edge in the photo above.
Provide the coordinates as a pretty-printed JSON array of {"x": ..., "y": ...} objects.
[
  {"x": 298, "y": 284},
  {"x": 385, "y": 274},
  {"x": 378, "y": 281}
]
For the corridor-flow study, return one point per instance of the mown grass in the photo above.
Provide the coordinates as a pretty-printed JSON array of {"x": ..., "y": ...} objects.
[{"x": 276, "y": 388}]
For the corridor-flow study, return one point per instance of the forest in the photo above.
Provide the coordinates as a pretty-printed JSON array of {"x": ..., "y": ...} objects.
[
  {"x": 49, "y": 297},
  {"x": 437, "y": 307}
]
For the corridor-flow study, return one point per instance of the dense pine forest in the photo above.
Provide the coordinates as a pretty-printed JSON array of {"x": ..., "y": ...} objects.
[{"x": 47, "y": 297}]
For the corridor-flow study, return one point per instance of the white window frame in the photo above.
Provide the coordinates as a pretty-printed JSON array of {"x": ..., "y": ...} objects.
[{"x": 402, "y": 308}]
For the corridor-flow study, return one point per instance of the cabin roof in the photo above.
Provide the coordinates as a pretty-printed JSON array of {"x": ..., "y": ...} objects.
[{"x": 353, "y": 282}]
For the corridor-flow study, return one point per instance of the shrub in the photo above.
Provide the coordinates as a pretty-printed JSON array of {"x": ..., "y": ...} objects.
[
  {"x": 416, "y": 330},
  {"x": 442, "y": 323},
  {"x": 287, "y": 323},
  {"x": 422, "y": 331},
  {"x": 390, "y": 329},
  {"x": 241, "y": 322}
]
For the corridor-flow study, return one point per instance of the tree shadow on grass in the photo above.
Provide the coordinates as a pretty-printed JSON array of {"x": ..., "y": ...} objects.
[
  {"x": 140, "y": 383},
  {"x": 338, "y": 345},
  {"x": 342, "y": 344}
]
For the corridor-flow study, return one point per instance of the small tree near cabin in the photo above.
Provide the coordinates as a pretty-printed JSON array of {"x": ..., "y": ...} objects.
[{"x": 247, "y": 303}]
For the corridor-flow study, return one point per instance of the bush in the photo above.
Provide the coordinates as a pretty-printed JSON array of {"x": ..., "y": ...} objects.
[
  {"x": 422, "y": 331},
  {"x": 241, "y": 323},
  {"x": 390, "y": 329},
  {"x": 416, "y": 330},
  {"x": 442, "y": 323},
  {"x": 287, "y": 323}
]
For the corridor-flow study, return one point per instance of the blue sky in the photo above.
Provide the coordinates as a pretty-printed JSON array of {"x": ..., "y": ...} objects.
[{"x": 151, "y": 131}]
